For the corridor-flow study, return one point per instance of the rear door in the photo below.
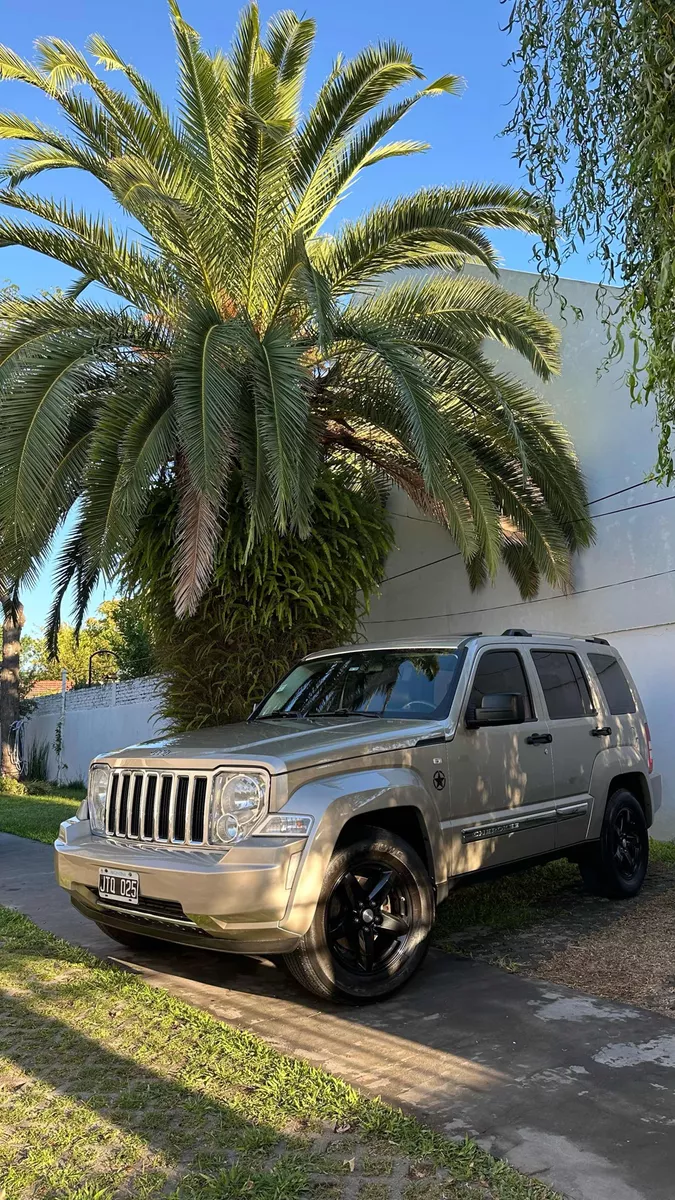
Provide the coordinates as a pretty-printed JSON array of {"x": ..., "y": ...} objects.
[
  {"x": 621, "y": 724},
  {"x": 573, "y": 723},
  {"x": 501, "y": 776}
]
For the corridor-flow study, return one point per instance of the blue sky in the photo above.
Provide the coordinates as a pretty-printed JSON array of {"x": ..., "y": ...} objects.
[{"x": 444, "y": 35}]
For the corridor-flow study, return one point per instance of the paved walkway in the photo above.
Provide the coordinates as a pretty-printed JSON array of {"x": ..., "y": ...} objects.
[{"x": 570, "y": 1088}]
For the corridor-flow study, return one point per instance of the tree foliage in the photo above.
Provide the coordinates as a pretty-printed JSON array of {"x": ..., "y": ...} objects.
[
  {"x": 595, "y": 125},
  {"x": 244, "y": 337},
  {"x": 118, "y": 628},
  {"x": 265, "y": 607}
]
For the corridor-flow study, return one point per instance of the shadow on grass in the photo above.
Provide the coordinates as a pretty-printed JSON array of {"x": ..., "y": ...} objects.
[{"x": 190, "y": 1131}]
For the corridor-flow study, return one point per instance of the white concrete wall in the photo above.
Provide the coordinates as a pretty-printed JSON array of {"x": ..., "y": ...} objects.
[
  {"x": 624, "y": 586},
  {"x": 97, "y": 720}
]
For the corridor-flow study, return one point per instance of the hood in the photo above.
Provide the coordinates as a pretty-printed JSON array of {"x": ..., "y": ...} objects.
[{"x": 280, "y": 745}]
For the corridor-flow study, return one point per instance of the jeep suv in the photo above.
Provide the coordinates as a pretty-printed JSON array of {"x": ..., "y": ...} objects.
[{"x": 364, "y": 787}]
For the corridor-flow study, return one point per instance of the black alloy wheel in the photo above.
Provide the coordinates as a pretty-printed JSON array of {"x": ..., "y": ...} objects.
[
  {"x": 368, "y": 917},
  {"x": 615, "y": 866},
  {"x": 371, "y": 927},
  {"x": 627, "y": 847}
]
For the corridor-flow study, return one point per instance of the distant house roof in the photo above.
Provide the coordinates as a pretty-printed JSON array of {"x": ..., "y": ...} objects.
[{"x": 47, "y": 687}]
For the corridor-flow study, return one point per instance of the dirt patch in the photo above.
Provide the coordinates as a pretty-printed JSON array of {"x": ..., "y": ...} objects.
[{"x": 623, "y": 950}]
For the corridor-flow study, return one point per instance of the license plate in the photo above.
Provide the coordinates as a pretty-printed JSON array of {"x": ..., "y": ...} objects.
[{"x": 118, "y": 885}]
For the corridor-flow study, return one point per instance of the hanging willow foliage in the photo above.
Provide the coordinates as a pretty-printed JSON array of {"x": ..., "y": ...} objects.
[{"x": 594, "y": 121}]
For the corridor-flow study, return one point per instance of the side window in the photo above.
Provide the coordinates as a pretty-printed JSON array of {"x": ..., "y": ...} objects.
[
  {"x": 613, "y": 683},
  {"x": 563, "y": 683},
  {"x": 500, "y": 671}
]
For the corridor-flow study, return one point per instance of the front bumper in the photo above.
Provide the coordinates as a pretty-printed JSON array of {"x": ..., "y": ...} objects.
[{"x": 234, "y": 899}]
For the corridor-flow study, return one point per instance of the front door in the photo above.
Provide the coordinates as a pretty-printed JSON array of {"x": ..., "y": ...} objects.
[
  {"x": 501, "y": 776},
  {"x": 572, "y": 722}
]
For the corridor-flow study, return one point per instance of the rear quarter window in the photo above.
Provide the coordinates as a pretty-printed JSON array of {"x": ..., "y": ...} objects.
[{"x": 614, "y": 684}]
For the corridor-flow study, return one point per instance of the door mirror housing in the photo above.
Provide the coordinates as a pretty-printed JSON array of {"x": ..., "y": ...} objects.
[{"x": 497, "y": 708}]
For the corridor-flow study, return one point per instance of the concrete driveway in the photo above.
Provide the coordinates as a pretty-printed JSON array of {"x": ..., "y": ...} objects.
[{"x": 569, "y": 1088}]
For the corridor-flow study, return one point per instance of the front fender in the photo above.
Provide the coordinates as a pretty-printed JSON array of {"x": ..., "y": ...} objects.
[{"x": 332, "y": 802}]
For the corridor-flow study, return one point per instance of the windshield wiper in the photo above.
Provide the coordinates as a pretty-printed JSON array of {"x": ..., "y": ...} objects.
[
  {"x": 346, "y": 712},
  {"x": 274, "y": 716}
]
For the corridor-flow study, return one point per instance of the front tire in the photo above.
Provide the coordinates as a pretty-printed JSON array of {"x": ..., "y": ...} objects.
[
  {"x": 617, "y": 865},
  {"x": 371, "y": 926}
]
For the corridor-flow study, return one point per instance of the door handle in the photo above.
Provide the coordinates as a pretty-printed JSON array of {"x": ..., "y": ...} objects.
[
  {"x": 539, "y": 739},
  {"x": 604, "y": 732}
]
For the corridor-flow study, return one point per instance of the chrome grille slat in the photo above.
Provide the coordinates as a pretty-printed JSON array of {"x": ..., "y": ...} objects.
[
  {"x": 172, "y": 808},
  {"x": 123, "y": 805},
  {"x": 165, "y": 807},
  {"x": 134, "y": 805},
  {"x": 197, "y": 828}
]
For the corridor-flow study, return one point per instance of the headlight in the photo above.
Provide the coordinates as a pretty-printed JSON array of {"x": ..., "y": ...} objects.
[
  {"x": 96, "y": 797},
  {"x": 238, "y": 801}
]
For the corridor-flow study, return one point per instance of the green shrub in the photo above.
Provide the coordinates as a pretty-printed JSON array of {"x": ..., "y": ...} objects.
[
  {"x": 269, "y": 603},
  {"x": 12, "y": 787},
  {"x": 37, "y": 761}
]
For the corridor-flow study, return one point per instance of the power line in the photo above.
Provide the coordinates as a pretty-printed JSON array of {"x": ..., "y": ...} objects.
[
  {"x": 421, "y": 567},
  {"x": 611, "y": 513},
  {"x": 408, "y": 517},
  {"x": 631, "y": 507},
  {"x": 469, "y": 612},
  {"x": 610, "y": 495}
]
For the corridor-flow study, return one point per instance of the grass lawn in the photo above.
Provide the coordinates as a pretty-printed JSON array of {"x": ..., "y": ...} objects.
[
  {"x": 111, "y": 1088},
  {"x": 39, "y": 817}
]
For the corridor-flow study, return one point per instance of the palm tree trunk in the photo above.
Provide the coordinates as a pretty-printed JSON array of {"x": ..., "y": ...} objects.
[{"x": 9, "y": 681}]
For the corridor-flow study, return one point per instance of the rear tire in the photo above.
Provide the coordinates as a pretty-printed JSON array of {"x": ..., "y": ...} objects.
[
  {"x": 616, "y": 866},
  {"x": 371, "y": 927},
  {"x": 133, "y": 941}
]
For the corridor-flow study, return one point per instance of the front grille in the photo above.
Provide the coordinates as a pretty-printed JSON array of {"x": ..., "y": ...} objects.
[{"x": 158, "y": 806}]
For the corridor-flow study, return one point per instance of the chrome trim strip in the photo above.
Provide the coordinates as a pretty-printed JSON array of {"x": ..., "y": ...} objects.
[
  {"x": 579, "y": 809},
  {"x": 502, "y": 827}
]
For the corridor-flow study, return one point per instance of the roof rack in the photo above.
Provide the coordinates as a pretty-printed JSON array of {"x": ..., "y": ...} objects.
[{"x": 551, "y": 633}]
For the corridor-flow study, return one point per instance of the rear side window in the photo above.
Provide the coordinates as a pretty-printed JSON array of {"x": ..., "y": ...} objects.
[
  {"x": 564, "y": 684},
  {"x": 613, "y": 683},
  {"x": 500, "y": 671}
]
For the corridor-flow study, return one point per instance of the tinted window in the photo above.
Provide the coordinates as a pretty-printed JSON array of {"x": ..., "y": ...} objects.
[
  {"x": 564, "y": 684},
  {"x": 372, "y": 683},
  {"x": 500, "y": 671},
  {"x": 614, "y": 684}
]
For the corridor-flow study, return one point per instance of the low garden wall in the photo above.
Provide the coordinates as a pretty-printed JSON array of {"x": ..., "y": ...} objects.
[{"x": 94, "y": 720}]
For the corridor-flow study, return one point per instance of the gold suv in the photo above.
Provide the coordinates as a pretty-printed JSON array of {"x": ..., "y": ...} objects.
[{"x": 328, "y": 826}]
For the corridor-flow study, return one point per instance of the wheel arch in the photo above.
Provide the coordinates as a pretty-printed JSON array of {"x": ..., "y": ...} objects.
[
  {"x": 406, "y": 821},
  {"x": 636, "y": 783}
]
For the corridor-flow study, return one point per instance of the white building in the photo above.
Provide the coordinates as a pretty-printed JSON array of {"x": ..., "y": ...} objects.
[{"x": 624, "y": 586}]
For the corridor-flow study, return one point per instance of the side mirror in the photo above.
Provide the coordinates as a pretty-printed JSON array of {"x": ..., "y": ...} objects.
[{"x": 498, "y": 708}]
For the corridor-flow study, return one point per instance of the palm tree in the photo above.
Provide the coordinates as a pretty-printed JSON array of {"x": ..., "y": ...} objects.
[
  {"x": 12, "y": 620},
  {"x": 243, "y": 336}
]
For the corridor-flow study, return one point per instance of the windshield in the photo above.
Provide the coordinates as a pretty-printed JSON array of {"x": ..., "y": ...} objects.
[{"x": 372, "y": 683}]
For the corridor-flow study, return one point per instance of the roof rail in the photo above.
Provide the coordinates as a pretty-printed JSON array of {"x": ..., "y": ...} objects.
[{"x": 551, "y": 633}]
